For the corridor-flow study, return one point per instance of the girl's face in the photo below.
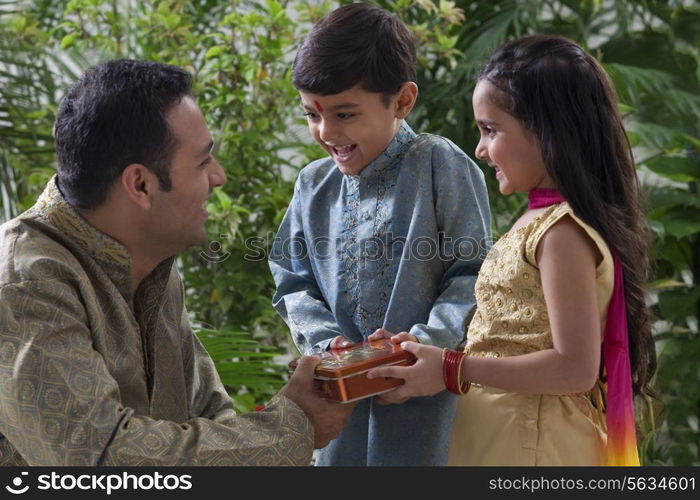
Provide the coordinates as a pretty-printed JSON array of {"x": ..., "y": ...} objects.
[{"x": 506, "y": 145}]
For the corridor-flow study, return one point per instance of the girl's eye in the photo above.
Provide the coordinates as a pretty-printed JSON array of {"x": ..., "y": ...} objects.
[{"x": 488, "y": 131}]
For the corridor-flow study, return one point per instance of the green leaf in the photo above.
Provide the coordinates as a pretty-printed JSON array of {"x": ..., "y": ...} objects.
[
  {"x": 662, "y": 199},
  {"x": 658, "y": 228},
  {"x": 681, "y": 225},
  {"x": 677, "y": 305},
  {"x": 244, "y": 403},
  {"x": 626, "y": 108},
  {"x": 656, "y": 137},
  {"x": 171, "y": 21},
  {"x": 223, "y": 199},
  {"x": 18, "y": 23},
  {"x": 676, "y": 168},
  {"x": 214, "y": 52},
  {"x": 274, "y": 8},
  {"x": 68, "y": 41},
  {"x": 666, "y": 283},
  {"x": 225, "y": 302},
  {"x": 163, "y": 8},
  {"x": 694, "y": 141}
]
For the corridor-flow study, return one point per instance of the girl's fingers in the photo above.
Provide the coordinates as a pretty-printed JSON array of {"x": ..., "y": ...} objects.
[{"x": 387, "y": 371}]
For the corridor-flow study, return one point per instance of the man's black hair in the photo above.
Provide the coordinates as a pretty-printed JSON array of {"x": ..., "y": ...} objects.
[{"x": 115, "y": 115}]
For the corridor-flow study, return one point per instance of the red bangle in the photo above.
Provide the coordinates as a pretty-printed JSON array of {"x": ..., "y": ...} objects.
[{"x": 452, "y": 372}]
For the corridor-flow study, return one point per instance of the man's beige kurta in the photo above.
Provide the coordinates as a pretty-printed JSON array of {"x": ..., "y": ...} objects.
[{"x": 91, "y": 375}]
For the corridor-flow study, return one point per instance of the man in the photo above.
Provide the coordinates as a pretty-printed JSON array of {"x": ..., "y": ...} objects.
[{"x": 98, "y": 362}]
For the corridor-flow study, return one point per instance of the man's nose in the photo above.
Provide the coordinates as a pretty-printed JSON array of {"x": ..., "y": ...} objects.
[{"x": 217, "y": 176}]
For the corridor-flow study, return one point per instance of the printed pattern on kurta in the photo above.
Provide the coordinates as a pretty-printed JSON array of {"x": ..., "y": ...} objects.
[{"x": 91, "y": 375}]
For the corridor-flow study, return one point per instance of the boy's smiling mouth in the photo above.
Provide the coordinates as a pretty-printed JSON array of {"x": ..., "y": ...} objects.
[{"x": 343, "y": 153}]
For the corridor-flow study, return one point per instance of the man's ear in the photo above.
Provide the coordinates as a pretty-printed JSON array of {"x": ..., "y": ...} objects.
[
  {"x": 408, "y": 93},
  {"x": 139, "y": 184}
]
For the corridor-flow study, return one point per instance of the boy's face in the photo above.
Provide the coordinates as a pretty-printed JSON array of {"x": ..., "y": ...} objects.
[{"x": 354, "y": 126}]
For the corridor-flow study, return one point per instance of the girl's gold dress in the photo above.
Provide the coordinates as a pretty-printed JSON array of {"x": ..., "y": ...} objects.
[{"x": 496, "y": 427}]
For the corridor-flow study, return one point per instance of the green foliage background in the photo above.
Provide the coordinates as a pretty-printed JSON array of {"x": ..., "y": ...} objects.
[{"x": 240, "y": 53}]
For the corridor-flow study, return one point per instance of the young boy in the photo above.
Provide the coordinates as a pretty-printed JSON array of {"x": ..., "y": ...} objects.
[{"x": 383, "y": 237}]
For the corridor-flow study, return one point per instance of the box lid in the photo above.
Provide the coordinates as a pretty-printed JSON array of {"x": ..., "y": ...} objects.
[{"x": 360, "y": 357}]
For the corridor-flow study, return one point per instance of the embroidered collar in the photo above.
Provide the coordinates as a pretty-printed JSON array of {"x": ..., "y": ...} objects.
[
  {"x": 396, "y": 148},
  {"x": 53, "y": 207},
  {"x": 112, "y": 255}
]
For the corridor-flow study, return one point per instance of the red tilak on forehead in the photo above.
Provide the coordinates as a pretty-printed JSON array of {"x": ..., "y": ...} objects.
[{"x": 318, "y": 106}]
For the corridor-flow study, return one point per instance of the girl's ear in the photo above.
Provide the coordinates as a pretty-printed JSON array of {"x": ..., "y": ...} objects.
[{"x": 407, "y": 99}]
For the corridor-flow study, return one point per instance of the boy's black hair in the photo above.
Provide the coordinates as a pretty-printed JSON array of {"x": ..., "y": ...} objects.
[
  {"x": 355, "y": 44},
  {"x": 113, "y": 116}
]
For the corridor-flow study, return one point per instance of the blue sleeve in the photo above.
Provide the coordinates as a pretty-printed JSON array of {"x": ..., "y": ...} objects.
[
  {"x": 298, "y": 298},
  {"x": 464, "y": 221}
]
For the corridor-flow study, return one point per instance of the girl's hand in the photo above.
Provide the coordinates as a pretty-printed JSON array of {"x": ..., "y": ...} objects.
[
  {"x": 382, "y": 333},
  {"x": 340, "y": 342},
  {"x": 423, "y": 378}
]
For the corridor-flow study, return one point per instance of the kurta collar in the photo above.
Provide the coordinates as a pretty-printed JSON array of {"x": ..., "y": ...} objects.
[
  {"x": 393, "y": 151},
  {"x": 112, "y": 255}
]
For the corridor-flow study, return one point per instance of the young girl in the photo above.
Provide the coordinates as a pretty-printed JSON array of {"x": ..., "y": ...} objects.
[{"x": 559, "y": 341}]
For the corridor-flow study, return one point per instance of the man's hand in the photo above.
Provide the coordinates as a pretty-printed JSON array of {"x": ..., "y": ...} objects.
[{"x": 327, "y": 417}]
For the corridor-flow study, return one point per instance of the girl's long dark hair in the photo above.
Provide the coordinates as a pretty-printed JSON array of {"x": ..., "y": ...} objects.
[{"x": 563, "y": 96}]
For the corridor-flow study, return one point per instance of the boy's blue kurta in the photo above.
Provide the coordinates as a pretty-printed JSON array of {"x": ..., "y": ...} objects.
[{"x": 396, "y": 247}]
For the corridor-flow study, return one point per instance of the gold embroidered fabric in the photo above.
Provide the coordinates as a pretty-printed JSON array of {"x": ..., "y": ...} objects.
[
  {"x": 496, "y": 427},
  {"x": 91, "y": 375},
  {"x": 511, "y": 316}
]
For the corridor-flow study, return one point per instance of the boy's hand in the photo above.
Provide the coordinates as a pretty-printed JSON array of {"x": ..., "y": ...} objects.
[
  {"x": 327, "y": 417},
  {"x": 340, "y": 342},
  {"x": 382, "y": 333}
]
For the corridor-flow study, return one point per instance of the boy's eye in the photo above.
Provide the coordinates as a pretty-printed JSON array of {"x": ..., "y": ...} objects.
[
  {"x": 311, "y": 115},
  {"x": 344, "y": 116}
]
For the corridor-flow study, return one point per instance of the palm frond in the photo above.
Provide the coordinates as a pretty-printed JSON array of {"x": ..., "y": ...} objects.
[
  {"x": 654, "y": 137},
  {"x": 242, "y": 361}
]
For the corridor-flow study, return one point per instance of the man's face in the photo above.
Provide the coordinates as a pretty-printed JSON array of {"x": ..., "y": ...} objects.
[
  {"x": 354, "y": 127},
  {"x": 178, "y": 216}
]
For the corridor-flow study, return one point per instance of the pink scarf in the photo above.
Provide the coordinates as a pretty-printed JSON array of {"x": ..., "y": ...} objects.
[{"x": 622, "y": 441}]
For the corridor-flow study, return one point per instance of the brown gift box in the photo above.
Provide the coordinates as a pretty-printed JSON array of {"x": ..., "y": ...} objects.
[{"x": 342, "y": 374}]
